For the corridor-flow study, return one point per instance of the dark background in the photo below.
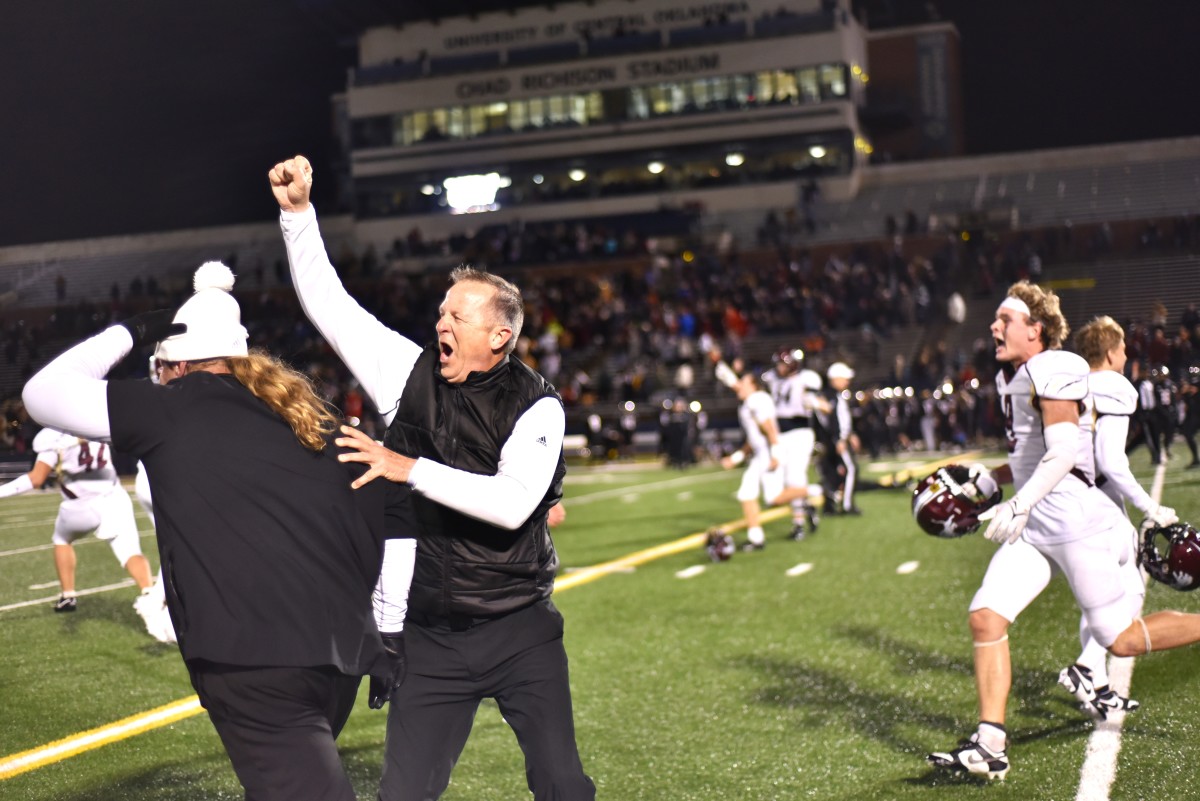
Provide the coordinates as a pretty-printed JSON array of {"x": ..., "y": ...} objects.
[{"x": 147, "y": 115}]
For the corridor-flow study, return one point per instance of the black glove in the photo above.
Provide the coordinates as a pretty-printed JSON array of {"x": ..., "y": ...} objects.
[
  {"x": 381, "y": 688},
  {"x": 152, "y": 326}
]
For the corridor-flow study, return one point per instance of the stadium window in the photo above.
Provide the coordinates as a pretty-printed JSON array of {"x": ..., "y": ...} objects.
[
  {"x": 537, "y": 112},
  {"x": 518, "y": 114},
  {"x": 764, "y": 85},
  {"x": 456, "y": 125},
  {"x": 420, "y": 124},
  {"x": 721, "y": 88},
  {"x": 476, "y": 120},
  {"x": 639, "y": 103},
  {"x": 785, "y": 87},
  {"x": 578, "y": 109},
  {"x": 558, "y": 111},
  {"x": 833, "y": 80},
  {"x": 810, "y": 89},
  {"x": 594, "y": 107},
  {"x": 497, "y": 117},
  {"x": 700, "y": 94},
  {"x": 743, "y": 89}
]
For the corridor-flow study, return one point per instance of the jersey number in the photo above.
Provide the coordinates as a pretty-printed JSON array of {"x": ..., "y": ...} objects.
[{"x": 89, "y": 462}]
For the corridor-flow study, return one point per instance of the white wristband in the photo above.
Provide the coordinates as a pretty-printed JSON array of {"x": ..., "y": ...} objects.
[{"x": 16, "y": 486}]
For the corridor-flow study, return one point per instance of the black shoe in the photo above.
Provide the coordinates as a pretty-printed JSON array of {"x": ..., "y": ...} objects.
[
  {"x": 812, "y": 518},
  {"x": 798, "y": 533},
  {"x": 853, "y": 510},
  {"x": 65, "y": 604},
  {"x": 753, "y": 546}
]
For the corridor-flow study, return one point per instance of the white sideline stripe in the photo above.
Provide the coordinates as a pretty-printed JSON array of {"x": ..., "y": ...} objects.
[
  {"x": 690, "y": 572},
  {"x": 907, "y": 567},
  {"x": 90, "y": 591},
  {"x": 90, "y": 540},
  {"x": 1099, "y": 769},
  {"x": 800, "y": 569}
]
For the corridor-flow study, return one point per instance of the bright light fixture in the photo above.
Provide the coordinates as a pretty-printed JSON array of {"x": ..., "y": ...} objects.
[
  {"x": 468, "y": 193},
  {"x": 655, "y": 167},
  {"x": 735, "y": 159},
  {"x": 577, "y": 175},
  {"x": 817, "y": 152}
]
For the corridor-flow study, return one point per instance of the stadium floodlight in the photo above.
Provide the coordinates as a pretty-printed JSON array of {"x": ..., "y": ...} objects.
[
  {"x": 735, "y": 159},
  {"x": 577, "y": 175},
  {"x": 472, "y": 193},
  {"x": 655, "y": 167},
  {"x": 817, "y": 152},
  {"x": 695, "y": 406},
  {"x": 537, "y": 179},
  {"x": 427, "y": 190}
]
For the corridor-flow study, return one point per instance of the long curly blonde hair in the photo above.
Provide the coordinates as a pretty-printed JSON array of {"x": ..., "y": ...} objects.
[{"x": 286, "y": 392}]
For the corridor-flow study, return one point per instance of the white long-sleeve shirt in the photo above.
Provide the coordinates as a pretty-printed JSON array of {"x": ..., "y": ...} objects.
[
  {"x": 382, "y": 359},
  {"x": 1114, "y": 400}
]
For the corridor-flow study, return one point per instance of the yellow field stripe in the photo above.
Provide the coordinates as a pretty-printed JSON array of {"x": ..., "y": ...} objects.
[
  {"x": 89, "y": 740},
  {"x": 689, "y": 542},
  {"x": 904, "y": 476},
  {"x": 187, "y": 707}
]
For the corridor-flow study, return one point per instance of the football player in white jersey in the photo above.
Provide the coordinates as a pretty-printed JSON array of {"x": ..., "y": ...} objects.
[
  {"x": 1114, "y": 399},
  {"x": 796, "y": 392},
  {"x": 1058, "y": 521},
  {"x": 761, "y": 455},
  {"x": 92, "y": 501}
]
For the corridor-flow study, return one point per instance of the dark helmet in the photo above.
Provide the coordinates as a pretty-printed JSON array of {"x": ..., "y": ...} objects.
[
  {"x": 947, "y": 503},
  {"x": 790, "y": 357},
  {"x": 1178, "y": 566},
  {"x": 719, "y": 545}
]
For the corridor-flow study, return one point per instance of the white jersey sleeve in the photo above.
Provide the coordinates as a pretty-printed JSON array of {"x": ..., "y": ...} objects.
[
  {"x": 1058, "y": 375},
  {"x": 1112, "y": 393},
  {"x": 1114, "y": 400}
]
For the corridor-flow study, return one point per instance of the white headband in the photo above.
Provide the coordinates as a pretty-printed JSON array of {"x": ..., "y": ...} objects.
[{"x": 1016, "y": 304}]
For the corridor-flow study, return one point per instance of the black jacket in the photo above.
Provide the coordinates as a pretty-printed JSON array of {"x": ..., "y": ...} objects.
[
  {"x": 268, "y": 557},
  {"x": 465, "y": 568}
]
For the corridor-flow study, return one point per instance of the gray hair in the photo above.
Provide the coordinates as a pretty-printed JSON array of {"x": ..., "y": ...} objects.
[{"x": 507, "y": 304}]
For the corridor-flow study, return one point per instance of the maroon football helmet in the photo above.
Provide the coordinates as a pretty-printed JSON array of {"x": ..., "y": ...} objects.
[
  {"x": 788, "y": 359},
  {"x": 719, "y": 545},
  {"x": 1178, "y": 565},
  {"x": 947, "y": 503}
]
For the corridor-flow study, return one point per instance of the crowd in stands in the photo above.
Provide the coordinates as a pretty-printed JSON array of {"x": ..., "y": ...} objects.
[{"x": 607, "y": 332}]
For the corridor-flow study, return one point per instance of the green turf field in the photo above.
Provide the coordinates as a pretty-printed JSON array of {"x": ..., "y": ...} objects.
[{"x": 737, "y": 682}]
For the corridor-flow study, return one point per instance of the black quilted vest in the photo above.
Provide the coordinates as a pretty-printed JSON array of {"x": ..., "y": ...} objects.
[{"x": 468, "y": 570}]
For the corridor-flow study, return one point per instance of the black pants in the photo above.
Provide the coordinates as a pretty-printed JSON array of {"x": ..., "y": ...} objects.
[
  {"x": 519, "y": 660},
  {"x": 278, "y": 726}
]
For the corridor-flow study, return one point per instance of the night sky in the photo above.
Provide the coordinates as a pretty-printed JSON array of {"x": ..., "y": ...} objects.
[{"x": 143, "y": 115}]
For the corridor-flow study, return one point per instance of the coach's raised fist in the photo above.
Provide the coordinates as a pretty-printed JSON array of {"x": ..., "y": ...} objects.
[{"x": 291, "y": 181}]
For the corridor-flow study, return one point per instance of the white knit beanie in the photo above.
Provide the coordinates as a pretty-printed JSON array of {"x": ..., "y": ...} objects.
[{"x": 213, "y": 319}]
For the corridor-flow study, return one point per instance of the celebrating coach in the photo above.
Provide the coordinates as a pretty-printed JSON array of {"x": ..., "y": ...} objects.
[{"x": 486, "y": 435}]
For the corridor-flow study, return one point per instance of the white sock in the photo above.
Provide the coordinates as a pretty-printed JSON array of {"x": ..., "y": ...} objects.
[
  {"x": 993, "y": 737},
  {"x": 755, "y": 535}
]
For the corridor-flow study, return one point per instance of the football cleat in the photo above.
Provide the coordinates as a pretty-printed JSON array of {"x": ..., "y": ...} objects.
[
  {"x": 1077, "y": 680},
  {"x": 972, "y": 756},
  {"x": 811, "y": 518},
  {"x": 1108, "y": 701},
  {"x": 753, "y": 546},
  {"x": 153, "y": 612},
  {"x": 65, "y": 604},
  {"x": 798, "y": 533}
]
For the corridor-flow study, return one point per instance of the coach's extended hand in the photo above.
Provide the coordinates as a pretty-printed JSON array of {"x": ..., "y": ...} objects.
[
  {"x": 380, "y": 461},
  {"x": 291, "y": 182}
]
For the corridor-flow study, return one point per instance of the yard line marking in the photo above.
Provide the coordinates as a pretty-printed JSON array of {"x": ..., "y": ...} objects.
[
  {"x": 1099, "y": 769},
  {"x": 631, "y": 497},
  {"x": 49, "y": 545},
  {"x": 89, "y": 740},
  {"x": 800, "y": 569},
  {"x": 689, "y": 572},
  {"x": 45, "y": 586},
  {"x": 186, "y": 707},
  {"x": 684, "y": 496},
  {"x": 907, "y": 567},
  {"x": 91, "y": 591}
]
